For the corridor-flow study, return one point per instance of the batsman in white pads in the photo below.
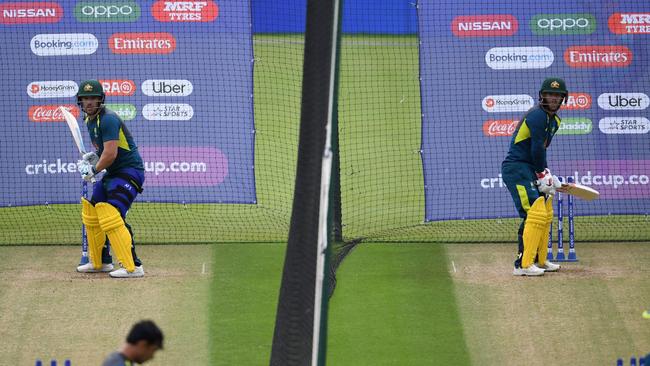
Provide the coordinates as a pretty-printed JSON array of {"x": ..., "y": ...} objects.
[
  {"x": 105, "y": 214},
  {"x": 529, "y": 180}
]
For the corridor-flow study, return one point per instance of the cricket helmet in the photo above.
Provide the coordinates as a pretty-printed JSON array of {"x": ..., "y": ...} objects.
[
  {"x": 554, "y": 85},
  {"x": 90, "y": 88}
]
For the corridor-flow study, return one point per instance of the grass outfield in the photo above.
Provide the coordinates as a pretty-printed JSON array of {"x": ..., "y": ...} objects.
[{"x": 395, "y": 304}]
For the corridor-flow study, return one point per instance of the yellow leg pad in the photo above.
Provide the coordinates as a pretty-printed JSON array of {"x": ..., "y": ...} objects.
[
  {"x": 94, "y": 233},
  {"x": 534, "y": 231},
  {"x": 112, "y": 223},
  {"x": 543, "y": 244}
]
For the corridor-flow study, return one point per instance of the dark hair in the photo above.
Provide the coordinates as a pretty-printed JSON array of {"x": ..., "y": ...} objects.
[{"x": 146, "y": 330}]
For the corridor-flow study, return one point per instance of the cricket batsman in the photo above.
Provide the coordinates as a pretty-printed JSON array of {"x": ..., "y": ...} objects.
[
  {"x": 529, "y": 180},
  {"x": 105, "y": 214}
]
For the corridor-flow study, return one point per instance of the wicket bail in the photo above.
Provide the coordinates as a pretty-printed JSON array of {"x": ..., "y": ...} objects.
[{"x": 560, "y": 231}]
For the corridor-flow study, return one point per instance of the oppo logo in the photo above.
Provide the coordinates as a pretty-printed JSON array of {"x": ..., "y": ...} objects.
[
  {"x": 30, "y": 12},
  {"x": 561, "y": 24},
  {"x": 167, "y": 88},
  {"x": 142, "y": 43},
  {"x": 623, "y": 101},
  {"x": 168, "y": 111},
  {"x": 52, "y": 89},
  {"x": 624, "y": 125},
  {"x": 107, "y": 11},
  {"x": 629, "y": 23},
  {"x": 185, "y": 11},
  {"x": 575, "y": 126},
  {"x": 598, "y": 56},
  {"x": 484, "y": 25},
  {"x": 507, "y": 103},
  {"x": 577, "y": 101},
  {"x": 500, "y": 58}
]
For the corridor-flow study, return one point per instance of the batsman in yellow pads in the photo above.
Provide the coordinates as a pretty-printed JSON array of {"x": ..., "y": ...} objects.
[
  {"x": 531, "y": 184},
  {"x": 105, "y": 214}
]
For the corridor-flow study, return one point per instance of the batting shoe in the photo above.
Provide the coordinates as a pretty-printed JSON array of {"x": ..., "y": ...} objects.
[
  {"x": 550, "y": 267},
  {"x": 88, "y": 268},
  {"x": 122, "y": 273},
  {"x": 533, "y": 270}
]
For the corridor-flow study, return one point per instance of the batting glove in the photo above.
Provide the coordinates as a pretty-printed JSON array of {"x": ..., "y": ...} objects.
[
  {"x": 91, "y": 157},
  {"x": 86, "y": 170}
]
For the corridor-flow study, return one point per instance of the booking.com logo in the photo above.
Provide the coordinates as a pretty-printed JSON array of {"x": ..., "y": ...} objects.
[
  {"x": 500, "y": 58},
  {"x": 64, "y": 44}
]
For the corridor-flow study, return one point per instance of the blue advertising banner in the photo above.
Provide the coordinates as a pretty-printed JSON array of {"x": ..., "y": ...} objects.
[
  {"x": 481, "y": 70},
  {"x": 179, "y": 73}
]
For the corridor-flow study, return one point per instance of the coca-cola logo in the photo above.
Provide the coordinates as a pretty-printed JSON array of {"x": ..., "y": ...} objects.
[
  {"x": 50, "y": 113},
  {"x": 499, "y": 127}
]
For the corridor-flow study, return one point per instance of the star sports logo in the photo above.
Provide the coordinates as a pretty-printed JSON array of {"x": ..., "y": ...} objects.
[{"x": 185, "y": 11}]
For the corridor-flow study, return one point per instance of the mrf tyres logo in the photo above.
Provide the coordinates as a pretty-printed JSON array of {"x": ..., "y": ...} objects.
[
  {"x": 107, "y": 11},
  {"x": 142, "y": 43},
  {"x": 598, "y": 56},
  {"x": 185, "y": 11},
  {"x": 562, "y": 24},
  {"x": 502, "y": 58},
  {"x": 30, "y": 12},
  {"x": 629, "y": 23},
  {"x": 484, "y": 25}
]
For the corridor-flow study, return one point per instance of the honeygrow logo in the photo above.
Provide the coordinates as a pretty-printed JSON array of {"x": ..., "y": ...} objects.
[
  {"x": 484, "y": 25},
  {"x": 118, "y": 87},
  {"x": 27, "y": 12},
  {"x": 598, "y": 56},
  {"x": 50, "y": 113},
  {"x": 499, "y": 127},
  {"x": 142, "y": 43},
  {"x": 629, "y": 23},
  {"x": 185, "y": 11},
  {"x": 577, "y": 101}
]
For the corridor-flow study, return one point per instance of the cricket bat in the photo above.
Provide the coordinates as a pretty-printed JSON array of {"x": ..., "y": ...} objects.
[
  {"x": 578, "y": 190},
  {"x": 73, "y": 125}
]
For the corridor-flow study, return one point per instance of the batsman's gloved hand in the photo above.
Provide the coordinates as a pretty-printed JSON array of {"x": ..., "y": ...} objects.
[
  {"x": 86, "y": 170},
  {"x": 547, "y": 183},
  {"x": 91, "y": 157}
]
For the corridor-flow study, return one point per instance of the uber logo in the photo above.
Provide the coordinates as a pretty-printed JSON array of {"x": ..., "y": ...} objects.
[
  {"x": 623, "y": 101},
  {"x": 167, "y": 88}
]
